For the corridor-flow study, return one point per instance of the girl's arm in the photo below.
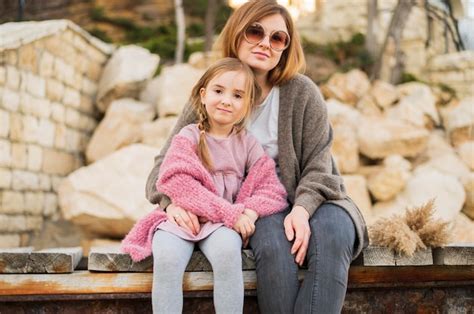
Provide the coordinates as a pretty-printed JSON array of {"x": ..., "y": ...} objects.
[
  {"x": 187, "y": 117},
  {"x": 261, "y": 190}
]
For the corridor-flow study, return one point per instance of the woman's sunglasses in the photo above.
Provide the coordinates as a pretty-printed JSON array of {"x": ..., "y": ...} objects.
[{"x": 255, "y": 34}]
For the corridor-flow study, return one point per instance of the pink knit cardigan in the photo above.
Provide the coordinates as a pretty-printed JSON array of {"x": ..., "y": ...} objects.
[{"x": 188, "y": 184}]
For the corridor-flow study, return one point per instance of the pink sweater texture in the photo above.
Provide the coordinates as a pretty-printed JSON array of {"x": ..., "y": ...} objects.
[{"x": 185, "y": 180}]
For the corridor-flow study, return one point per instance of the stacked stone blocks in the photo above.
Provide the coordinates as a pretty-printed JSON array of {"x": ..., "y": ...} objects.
[{"x": 48, "y": 82}]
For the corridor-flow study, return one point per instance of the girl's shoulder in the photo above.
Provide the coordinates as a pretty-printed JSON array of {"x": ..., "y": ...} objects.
[{"x": 191, "y": 132}]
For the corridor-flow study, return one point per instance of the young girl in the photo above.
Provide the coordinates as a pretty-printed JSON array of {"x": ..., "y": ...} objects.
[{"x": 219, "y": 172}]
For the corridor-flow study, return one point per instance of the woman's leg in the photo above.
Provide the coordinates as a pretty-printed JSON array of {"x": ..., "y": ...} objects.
[
  {"x": 329, "y": 256},
  {"x": 277, "y": 272},
  {"x": 171, "y": 255},
  {"x": 223, "y": 249}
]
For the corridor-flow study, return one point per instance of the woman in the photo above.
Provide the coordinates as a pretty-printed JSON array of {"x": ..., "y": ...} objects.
[{"x": 322, "y": 224}]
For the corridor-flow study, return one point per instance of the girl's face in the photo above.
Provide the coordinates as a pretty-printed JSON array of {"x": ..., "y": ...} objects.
[
  {"x": 223, "y": 98},
  {"x": 261, "y": 57}
]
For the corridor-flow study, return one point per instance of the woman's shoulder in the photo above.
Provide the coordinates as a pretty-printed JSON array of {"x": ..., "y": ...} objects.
[{"x": 302, "y": 90}]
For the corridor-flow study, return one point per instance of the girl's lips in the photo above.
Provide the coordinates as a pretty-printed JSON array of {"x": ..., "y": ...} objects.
[{"x": 224, "y": 110}]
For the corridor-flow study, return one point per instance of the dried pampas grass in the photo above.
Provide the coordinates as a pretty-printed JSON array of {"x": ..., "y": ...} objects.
[{"x": 415, "y": 230}]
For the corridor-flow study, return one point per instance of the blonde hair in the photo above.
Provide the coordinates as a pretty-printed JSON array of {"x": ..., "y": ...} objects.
[
  {"x": 292, "y": 59},
  {"x": 251, "y": 95}
]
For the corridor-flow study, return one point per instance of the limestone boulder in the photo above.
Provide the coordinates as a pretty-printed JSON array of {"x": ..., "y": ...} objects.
[
  {"x": 342, "y": 114},
  {"x": 149, "y": 93},
  {"x": 438, "y": 144},
  {"x": 157, "y": 132},
  {"x": 423, "y": 185},
  {"x": 466, "y": 152},
  {"x": 176, "y": 83},
  {"x": 384, "y": 94},
  {"x": 125, "y": 74},
  {"x": 391, "y": 179},
  {"x": 107, "y": 197},
  {"x": 120, "y": 127},
  {"x": 468, "y": 208},
  {"x": 368, "y": 107},
  {"x": 449, "y": 164},
  {"x": 347, "y": 87},
  {"x": 417, "y": 107},
  {"x": 202, "y": 60},
  {"x": 356, "y": 187},
  {"x": 459, "y": 122},
  {"x": 379, "y": 138},
  {"x": 345, "y": 148},
  {"x": 462, "y": 230}
]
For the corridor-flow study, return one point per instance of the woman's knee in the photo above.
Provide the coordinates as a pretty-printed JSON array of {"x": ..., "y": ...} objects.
[{"x": 332, "y": 224}]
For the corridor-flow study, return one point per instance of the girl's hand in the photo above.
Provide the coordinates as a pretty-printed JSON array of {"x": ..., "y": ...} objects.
[
  {"x": 183, "y": 218},
  {"x": 245, "y": 227},
  {"x": 296, "y": 223},
  {"x": 251, "y": 214}
]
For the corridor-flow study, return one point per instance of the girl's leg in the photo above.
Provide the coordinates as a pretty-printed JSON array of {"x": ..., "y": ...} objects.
[
  {"x": 277, "y": 272},
  {"x": 223, "y": 249},
  {"x": 171, "y": 255},
  {"x": 329, "y": 256}
]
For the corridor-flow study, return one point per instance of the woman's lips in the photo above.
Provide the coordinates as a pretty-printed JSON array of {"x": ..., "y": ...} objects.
[{"x": 261, "y": 54}]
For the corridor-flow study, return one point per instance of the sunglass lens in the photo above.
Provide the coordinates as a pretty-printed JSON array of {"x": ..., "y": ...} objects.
[
  {"x": 279, "y": 40},
  {"x": 254, "y": 34}
]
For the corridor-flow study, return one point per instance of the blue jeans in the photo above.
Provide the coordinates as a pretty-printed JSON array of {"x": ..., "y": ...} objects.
[{"x": 329, "y": 256}]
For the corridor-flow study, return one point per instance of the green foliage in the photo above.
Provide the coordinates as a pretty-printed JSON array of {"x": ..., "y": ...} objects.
[
  {"x": 408, "y": 77},
  {"x": 100, "y": 34},
  {"x": 346, "y": 55}
]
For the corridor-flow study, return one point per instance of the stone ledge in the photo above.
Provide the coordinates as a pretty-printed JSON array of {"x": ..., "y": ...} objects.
[{"x": 16, "y": 34}]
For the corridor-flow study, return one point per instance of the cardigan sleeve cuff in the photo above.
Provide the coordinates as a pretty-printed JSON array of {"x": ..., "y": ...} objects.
[
  {"x": 164, "y": 201},
  {"x": 231, "y": 218},
  {"x": 309, "y": 202}
]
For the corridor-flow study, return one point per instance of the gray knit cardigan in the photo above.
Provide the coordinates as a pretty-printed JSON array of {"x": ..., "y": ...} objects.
[{"x": 307, "y": 169}]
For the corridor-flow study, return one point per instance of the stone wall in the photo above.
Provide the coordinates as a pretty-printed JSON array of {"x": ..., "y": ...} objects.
[
  {"x": 339, "y": 20},
  {"x": 49, "y": 73},
  {"x": 455, "y": 70}
]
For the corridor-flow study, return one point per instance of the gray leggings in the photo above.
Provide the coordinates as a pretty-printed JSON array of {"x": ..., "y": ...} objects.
[{"x": 171, "y": 255}]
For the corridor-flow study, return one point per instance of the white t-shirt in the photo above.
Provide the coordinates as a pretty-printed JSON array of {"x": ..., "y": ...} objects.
[{"x": 264, "y": 123}]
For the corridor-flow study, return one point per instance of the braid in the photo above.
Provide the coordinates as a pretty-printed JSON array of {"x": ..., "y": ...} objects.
[{"x": 203, "y": 126}]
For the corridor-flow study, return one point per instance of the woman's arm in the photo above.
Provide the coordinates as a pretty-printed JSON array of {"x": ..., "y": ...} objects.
[{"x": 187, "y": 117}]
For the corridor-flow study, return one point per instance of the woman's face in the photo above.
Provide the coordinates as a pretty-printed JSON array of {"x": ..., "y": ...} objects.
[{"x": 261, "y": 57}]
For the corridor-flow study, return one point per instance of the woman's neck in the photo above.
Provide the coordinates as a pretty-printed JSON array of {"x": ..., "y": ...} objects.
[{"x": 265, "y": 85}]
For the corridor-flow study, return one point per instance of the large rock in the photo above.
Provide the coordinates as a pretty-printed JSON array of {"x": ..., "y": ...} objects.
[
  {"x": 468, "y": 208},
  {"x": 449, "y": 164},
  {"x": 340, "y": 113},
  {"x": 157, "y": 132},
  {"x": 462, "y": 230},
  {"x": 347, "y": 87},
  {"x": 149, "y": 93},
  {"x": 120, "y": 127},
  {"x": 459, "y": 122},
  {"x": 202, "y": 60},
  {"x": 384, "y": 94},
  {"x": 356, "y": 187},
  {"x": 125, "y": 74},
  {"x": 345, "y": 148},
  {"x": 176, "y": 83},
  {"x": 417, "y": 107},
  {"x": 107, "y": 197},
  {"x": 387, "y": 183},
  {"x": 424, "y": 185},
  {"x": 368, "y": 107},
  {"x": 466, "y": 152},
  {"x": 379, "y": 138}
]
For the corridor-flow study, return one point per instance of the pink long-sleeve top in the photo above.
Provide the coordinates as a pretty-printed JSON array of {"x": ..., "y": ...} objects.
[
  {"x": 243, "y": 177},
  {"x": 231, "y": 158}
]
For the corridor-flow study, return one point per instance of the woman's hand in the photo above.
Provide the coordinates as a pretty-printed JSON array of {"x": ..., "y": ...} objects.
[
  {"x": 183, "y": 218},
  {"x": 245, "y": 227},
  {"x": 297, "y": 228}
]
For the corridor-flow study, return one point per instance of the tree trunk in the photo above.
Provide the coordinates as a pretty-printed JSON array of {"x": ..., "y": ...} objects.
[
  {"x": 210, "y": 23},
  {"x": 181, "y": 31},
  {"x": 370, "y": 38},
  {"x": 389, "y": 65}
]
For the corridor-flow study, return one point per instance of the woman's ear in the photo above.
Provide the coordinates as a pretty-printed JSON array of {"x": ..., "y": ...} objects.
[{"x": 202, "y": 93}]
